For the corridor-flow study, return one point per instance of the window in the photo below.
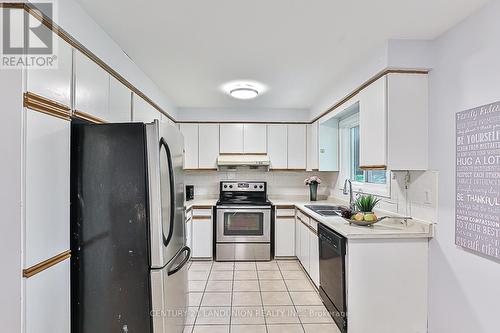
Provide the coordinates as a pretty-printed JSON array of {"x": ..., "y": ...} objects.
[{"x": 366, "y": 181}]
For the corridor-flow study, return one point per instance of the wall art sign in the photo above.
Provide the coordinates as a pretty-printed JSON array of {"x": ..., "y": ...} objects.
[{"x": 477, "y": 209}]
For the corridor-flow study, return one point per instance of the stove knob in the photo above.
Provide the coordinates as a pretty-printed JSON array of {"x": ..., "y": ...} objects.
[
  {"x": 225, "y": 186},
  {"x": 261, "y": 186},
  {"x": 230, "y": 186},
  {"x": 255, "y": 186}
]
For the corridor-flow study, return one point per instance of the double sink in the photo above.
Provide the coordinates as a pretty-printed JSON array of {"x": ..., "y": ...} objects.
[{"x": 326, "y": 210}]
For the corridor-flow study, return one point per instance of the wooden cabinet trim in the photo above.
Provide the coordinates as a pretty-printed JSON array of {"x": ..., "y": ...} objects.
[
  {"x": 202, "y": 217},
  {"x": 285, "y": 217},
  {"x": 373, "y": 167},
  {"x": 88, "y": 117},
  {"x": 44, "y": 105},
  {"x": 40, "y": 267},
  {"x": 285, "y": 206}
]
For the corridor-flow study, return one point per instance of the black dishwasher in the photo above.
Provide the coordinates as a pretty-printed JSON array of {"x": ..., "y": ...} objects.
[{"x": 332, "y": 289}]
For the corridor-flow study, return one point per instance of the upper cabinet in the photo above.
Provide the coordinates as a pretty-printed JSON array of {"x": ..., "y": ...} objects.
[
  {"x": 120, "y": 102},
  {"x": 91, "y": 87},
  {"x": 231, "y": 138},
  {"x": 297, "y": 146},
  {"x": 201, "y": 145},
  {"x": 393, "y": 113},
  {"x": 254, "y": 138},
  {"x": 53, "y": 83},
  {"x": 373, "y": 125},
  {"x": 143, "y": 112},
  {"x": 277, "y": 145},
  {"x": 208, "y": 145},
  {"x": 312, "y": 146},
  {"x": 243, "y": 139},
  {"x": 190, "y": 133}
]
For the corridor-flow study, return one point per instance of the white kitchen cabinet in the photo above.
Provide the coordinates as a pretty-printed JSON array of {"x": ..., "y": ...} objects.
[
  {"x": 329, "y": 145},
  {"x": 120, "y": 102},
  {"x": 284, "y": 244},
  {"x": 144, "y": 112},
  {"x": 53, "y": 83},
  {"x": 254, "y": 138},
  {"x": 393, "y": 123},
  {"x": 407, "y": 122},
  {"x": 231, "y": 138},
  {"x": 304, "y": 246},
  {"x": 47, "y": 300},
  {"x": 190, "y": 133},
  {"x": 297, "y": 235},
  {"x": 373, "y": 124},
  {"x": 91, "y": 87},
  {"x": 202, "y": 237},
  {"x": 312, "y": 146},
  {"x": 314, "y": 257},
  {"x": 189, "y": 229},
  {"x": 47, "y": 205},
  {"x": 208, "y": 146},
  {"x": 277, "y": 145},
  {"x": 297, "y": 146}
]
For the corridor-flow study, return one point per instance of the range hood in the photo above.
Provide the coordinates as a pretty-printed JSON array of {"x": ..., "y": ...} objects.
[{"x": 253, "y": 161}]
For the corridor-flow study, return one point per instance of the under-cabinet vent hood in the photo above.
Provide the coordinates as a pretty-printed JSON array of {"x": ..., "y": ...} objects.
[{"x": 229, "y": 161}]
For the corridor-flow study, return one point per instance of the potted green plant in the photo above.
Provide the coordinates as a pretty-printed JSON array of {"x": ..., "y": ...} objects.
[
  {"x": 313, "y": 183},
  {"x": 365, "y": 205}
]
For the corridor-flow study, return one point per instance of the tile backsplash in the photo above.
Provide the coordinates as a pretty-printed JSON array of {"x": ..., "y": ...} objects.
[
  {"x": 279, "y": 183},
  {"x": 419, "y": 200}
]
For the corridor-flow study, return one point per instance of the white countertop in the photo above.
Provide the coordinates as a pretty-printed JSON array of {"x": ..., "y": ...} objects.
[
  {"x": 200, "y": 201},
  {"x": 389, "y": 228}
]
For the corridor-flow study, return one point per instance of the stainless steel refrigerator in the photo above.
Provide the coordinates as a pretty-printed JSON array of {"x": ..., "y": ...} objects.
[{"x": 128, "y": 266}]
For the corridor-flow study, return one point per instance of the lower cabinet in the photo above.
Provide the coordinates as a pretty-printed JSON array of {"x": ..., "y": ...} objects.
[
  {"x": 189, "y": 230},
  {"x": 202, "y": 234},
  {"x": 47, "y": 300},
  {"x": 307, "y": 245},
  {"x": 284, "y": 240}
]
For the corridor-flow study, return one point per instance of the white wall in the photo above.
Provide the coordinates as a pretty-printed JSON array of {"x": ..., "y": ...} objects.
[
  {"x": 73, "y": 18},
  {"x": 242, "y": 114},
  {"x": 464, "y": 287}
]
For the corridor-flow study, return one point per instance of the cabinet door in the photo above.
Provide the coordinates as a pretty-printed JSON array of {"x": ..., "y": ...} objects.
[
  {"x": 208, "y": 143},
  {"x": 297, "y": 238},
  {"x": 120, "y": 102},
  {"x": 254, "y": 138},
  {"x": 329, "y": 145},
  {"x": 190, "y": 132},
  {"x": 314, "y": 258},
  {"x": 297, "y": 146},
  {"x": 189, "y": 233},
  {"x": 91, "y": 87},
  {"x": 373, "y": 124},
  {"x": 53, "y": 83},
  {"x": 312, "y": 146},
  {"x": 143, "y": 112},
  {"x": 202, "y": 237},
  {"x": 284, "y": 237},
  {"x": 47, "y": 166},
  {"x": 407, "y": 123},
  {"x": 304, "y": 246},
  {"x": 231, "y": 138},
  {"x": 277, "y": 146},
  {"x": 47, "y": 300}
]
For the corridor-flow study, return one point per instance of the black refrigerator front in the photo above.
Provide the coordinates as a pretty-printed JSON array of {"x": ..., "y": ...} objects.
[{"x": 127, "y": 233}]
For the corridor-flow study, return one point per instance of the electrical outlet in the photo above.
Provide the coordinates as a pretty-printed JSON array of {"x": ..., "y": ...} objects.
[{"x": 427, "y": 197}]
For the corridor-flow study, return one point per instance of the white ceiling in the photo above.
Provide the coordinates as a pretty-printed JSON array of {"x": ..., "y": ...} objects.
[{"x": 295, "y": 47}]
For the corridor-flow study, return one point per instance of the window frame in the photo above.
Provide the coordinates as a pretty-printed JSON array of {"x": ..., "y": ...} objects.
[{"x": 345, "y": 125}]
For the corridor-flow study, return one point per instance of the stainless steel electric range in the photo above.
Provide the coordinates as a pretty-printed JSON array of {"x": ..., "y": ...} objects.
[{"x": 243, "y": 222}]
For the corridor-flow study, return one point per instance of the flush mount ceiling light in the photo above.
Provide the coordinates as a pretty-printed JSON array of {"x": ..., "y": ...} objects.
[{"x": 243, "y": 90}]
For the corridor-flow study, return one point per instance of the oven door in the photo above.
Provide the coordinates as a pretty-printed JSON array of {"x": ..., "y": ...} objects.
[{"x": 243, "y": 224}]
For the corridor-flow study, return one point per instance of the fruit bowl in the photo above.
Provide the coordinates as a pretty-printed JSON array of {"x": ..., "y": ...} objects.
[{"x": 364, "y": 219}]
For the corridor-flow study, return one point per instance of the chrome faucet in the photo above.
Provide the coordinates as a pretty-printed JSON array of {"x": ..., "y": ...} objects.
[{"x": 345, "y": 192}]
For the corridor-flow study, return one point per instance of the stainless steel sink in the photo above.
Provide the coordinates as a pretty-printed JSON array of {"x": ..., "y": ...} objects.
[{"x": 326, "y": 210}]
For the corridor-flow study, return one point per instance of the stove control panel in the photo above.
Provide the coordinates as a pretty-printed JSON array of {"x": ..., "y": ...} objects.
[{"x": 243, "y": 186}]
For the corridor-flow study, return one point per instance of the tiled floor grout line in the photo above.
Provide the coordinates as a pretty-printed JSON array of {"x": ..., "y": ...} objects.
[
  {"x": 293, "y": 303},
  {"x": 231, "y": 301},
  {"x": 202, "y": 296},
  {"x": 261, "y": 298}
]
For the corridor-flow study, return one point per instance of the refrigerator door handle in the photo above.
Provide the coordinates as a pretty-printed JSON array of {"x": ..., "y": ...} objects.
[
  {"x": 184, "y": 261},
  {"x": 166, "y": 240}
]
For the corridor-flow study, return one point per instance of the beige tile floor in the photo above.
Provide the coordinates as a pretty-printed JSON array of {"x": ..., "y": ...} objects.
[{"x": 254, "y": 297}]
